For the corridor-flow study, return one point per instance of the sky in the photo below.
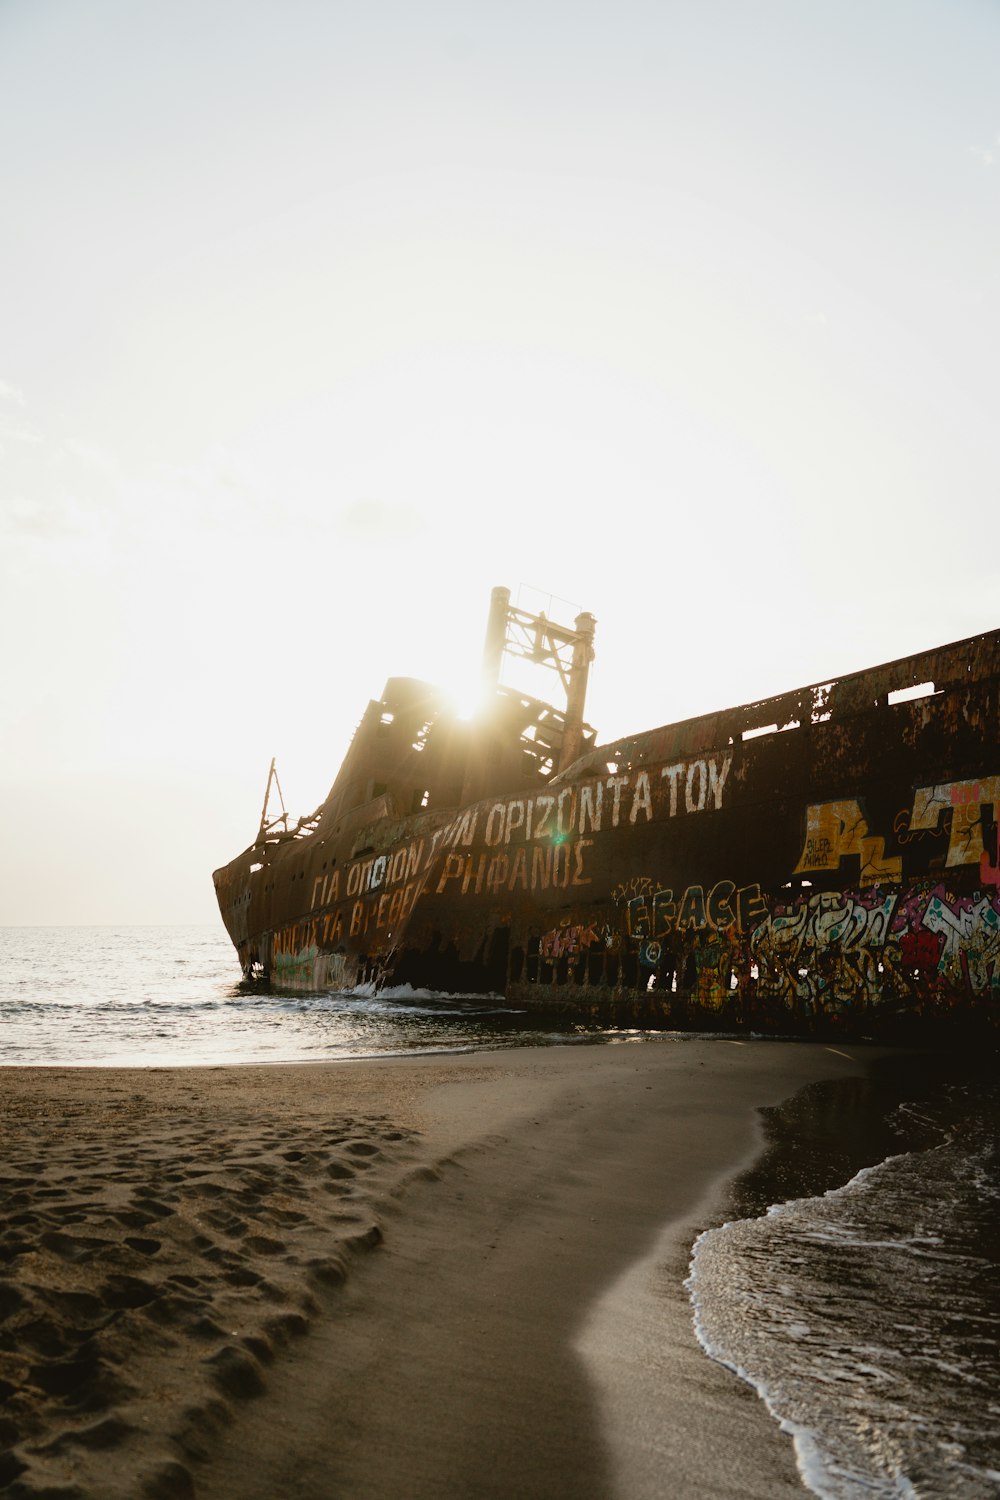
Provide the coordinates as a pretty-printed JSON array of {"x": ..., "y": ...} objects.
[{"x": 318, "y": 321}]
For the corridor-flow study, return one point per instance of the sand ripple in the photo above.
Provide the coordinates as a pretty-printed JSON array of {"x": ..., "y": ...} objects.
[{"x": 150, "y": 1276}]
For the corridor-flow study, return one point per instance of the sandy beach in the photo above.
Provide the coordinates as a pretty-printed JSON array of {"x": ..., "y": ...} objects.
[{"x": 439, "y": 1276}]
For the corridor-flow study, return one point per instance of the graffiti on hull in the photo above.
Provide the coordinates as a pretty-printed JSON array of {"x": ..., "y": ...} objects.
[
  {"x": 837, "y": 831},
  {"x": 826, "y": 953},
  {"x": 883, "y": 941},
  {"x": 835, "y": 951},
  {"x": 904, "y": 927}
]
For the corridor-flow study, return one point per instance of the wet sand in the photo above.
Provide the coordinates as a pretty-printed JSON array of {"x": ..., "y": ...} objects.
[{"x": 454, "y": 1277}]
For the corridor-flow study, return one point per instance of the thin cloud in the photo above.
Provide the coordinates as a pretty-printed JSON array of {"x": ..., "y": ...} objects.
[
  {"x": 983, "y": 154},
  {"x": 44, "y": 520},
  {"x": 92, "y": 456},
  {"x": 14, "y": 429},
  {"x": 48, "y": 493},
  {"x": 11, "y": 433},
  {"x": 374, "y": 521}
]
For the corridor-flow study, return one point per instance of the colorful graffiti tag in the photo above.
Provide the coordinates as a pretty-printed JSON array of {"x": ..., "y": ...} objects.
[
  {"x": 835, "y": 950},
  {"x": 653, "y": 914},
  {"x": 823, "y": 952},
  {"x": 836, "y": 831},
  {"x": 568, "y": 941}
]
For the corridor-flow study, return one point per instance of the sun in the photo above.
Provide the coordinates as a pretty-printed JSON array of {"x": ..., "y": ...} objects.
[{"x": 467, "y": 701}]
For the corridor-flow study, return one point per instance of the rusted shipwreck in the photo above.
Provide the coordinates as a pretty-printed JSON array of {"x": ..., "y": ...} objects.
[{"x": 825, "y": 859}]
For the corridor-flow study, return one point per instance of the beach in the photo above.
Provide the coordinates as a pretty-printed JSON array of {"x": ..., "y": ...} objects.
[{"x": 451, "y": 1275}]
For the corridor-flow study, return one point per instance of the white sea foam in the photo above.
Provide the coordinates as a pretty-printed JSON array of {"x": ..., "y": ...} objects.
[
  {"x": 371, "y": 991},
  {"x": 805, "y": 1304}
]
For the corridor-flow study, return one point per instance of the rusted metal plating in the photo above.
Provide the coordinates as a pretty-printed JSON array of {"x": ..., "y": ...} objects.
[{"x": 823, "y": 859}]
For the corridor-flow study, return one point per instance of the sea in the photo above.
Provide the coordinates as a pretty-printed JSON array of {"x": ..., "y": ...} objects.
[
  {"x": 856, "y": 1285},
  {"x": 852, "y": 1277},
  {"x": 166, "y": 996}
]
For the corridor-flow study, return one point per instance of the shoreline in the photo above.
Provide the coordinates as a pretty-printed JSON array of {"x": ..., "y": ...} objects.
[{"x": 194, "y": 1273}]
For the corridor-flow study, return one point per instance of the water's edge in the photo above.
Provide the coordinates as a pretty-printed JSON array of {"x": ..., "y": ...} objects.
[{"x": 871, "y": 1188}]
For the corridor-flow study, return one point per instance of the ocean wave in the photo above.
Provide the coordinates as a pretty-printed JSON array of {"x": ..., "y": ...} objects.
[{"x": 867, "y": 1316}]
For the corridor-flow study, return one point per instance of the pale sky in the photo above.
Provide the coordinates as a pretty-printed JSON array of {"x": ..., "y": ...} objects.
[{"x": 319, "y": 320}]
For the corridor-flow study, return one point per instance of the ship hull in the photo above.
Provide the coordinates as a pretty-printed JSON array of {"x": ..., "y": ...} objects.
[{"x": 821, "y": 862}]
